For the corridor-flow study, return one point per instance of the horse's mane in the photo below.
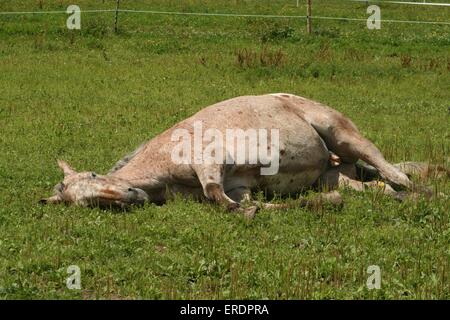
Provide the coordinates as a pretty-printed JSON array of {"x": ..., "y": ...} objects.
[{"x": 124, "y": 161}]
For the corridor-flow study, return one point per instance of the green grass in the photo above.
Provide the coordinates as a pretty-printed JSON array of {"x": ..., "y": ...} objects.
[{"x": 91, "y": 96}]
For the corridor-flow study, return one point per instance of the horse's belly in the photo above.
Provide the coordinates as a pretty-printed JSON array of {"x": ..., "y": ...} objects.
[
  {"x": 293, "y": 178},
  {"x": 300, "y": 164}
]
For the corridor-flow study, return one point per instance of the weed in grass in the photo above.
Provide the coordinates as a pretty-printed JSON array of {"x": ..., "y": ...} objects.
[
  {"x": 247, "y": 58},
  {"x": 278, "y": 33},
  {"x": 406, "y": 61}
]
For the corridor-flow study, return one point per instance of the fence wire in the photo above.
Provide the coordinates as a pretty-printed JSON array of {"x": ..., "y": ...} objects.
[{"x": 235, "y": 15}]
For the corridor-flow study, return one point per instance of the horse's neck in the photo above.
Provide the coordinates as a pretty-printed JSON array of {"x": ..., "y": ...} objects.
[{"x": 138, "y": 169}]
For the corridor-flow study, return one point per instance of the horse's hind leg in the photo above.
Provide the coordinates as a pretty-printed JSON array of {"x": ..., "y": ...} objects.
[
  {"x": 359, "y": 146},
  {"x": 243, "y": 195},
  {"x": 343, "y": 138},
  {"x": 423, "y": 169},
  {"x": 317, "y": 201},
  {"x": 345, "y": 176}
]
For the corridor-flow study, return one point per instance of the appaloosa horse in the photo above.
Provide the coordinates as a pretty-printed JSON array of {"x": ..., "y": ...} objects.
[{"x": 314, "y": 145}]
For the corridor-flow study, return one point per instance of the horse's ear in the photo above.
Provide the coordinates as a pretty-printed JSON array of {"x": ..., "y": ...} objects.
[
  {"x": 66, "y": 168},
  {"x": 52, "y": 200}
]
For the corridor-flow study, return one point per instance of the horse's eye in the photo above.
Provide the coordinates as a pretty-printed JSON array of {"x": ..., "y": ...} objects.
[{"x": 94, "y": 175}]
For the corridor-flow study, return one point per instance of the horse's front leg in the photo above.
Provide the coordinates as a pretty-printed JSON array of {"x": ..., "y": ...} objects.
[{"x": 211, "y": 177}]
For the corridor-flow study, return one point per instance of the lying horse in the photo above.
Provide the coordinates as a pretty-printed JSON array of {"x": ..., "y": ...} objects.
[{"x": 314, "y": 146}]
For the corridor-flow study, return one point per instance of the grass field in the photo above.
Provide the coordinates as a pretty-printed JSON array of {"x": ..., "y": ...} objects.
[{"x": 91, "y": 96}]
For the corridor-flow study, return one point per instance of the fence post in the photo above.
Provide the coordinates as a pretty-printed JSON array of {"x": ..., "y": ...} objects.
[
  {"x": 308, "y": 17},
  {"x": 117, "y": 15}
]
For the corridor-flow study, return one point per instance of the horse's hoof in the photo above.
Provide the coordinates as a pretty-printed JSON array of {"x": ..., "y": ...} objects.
[
  {"x": 233, "y": 207},
  {"x": 250, "y": 212}
]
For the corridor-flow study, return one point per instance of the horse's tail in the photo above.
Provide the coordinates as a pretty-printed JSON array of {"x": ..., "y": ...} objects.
[{"x": 423, "y": 169}]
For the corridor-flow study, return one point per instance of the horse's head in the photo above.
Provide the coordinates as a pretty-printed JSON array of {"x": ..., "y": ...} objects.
[{"x": 89, "y": 189}]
